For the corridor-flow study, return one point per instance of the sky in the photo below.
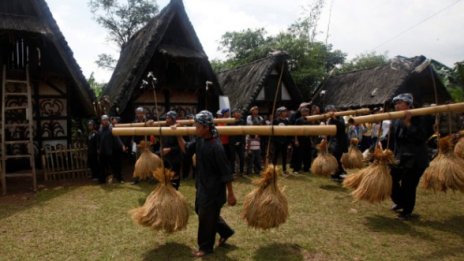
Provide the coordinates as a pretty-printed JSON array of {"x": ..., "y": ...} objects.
[{"x": 394, "y": 27}]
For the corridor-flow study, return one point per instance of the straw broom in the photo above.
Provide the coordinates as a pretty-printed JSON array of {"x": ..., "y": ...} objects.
[
  {"x": 446, "y": 170},
  {"x": 376, "y": 182},
  {"x": 146, "y": 163},
  {"x": 165, "y": 208},
  {"x": 353, "y": 159},
  {"x": 459, "y": 148},
  {"x": 325, "y": 164},
  {"x": 266, "y": 206}
]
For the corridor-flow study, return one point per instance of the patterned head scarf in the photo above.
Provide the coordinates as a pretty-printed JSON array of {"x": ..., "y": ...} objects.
[
  {"x": 406, "y": 97},
  {"x": 206, "y": 118},
  {"x": 172, "y": 115}
]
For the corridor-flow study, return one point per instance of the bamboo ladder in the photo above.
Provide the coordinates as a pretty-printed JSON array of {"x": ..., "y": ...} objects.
[{"x": 26, "y": 120}]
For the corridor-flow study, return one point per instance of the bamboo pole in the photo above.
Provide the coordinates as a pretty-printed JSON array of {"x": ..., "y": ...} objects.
[
  {"x": 324, "y": 116},
  {"x": 329, "y": 130},
  {"x": 163, "y": 123},
  {"x": 457, "y": 107}
]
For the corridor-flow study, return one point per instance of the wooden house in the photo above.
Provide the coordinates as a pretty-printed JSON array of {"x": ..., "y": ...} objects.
[
  {"x": 169, "y": 48},
  {"x": 43, "y": 88},
  {"x": 376, "y": 86},
  {"x": 255, "y": 84}
]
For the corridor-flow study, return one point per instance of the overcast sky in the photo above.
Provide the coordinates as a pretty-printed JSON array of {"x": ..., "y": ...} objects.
[{"x": 431, "y": 28}]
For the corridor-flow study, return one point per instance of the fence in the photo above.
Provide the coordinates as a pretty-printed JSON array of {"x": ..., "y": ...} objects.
[{"x": 65, "y": 163}]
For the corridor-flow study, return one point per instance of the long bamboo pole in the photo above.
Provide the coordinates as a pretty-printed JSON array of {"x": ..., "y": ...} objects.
[
  {"x": 329, "y": 130},
  {"x": 163, "y": 123},
  {"x": 456, "y": 107},
  {"x": 324, "y": 116}
]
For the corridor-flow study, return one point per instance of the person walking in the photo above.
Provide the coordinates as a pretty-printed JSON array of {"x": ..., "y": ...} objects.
[{"x": 213, "y": 183}]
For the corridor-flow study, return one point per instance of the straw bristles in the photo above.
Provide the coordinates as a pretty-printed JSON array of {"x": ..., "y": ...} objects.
[
  {"x": 165, "y": 208},
  {"x": 353, "y": 159},
  {"x": 325, "y": 164},
  {"x": 376, "y": 181},
  {"x": 146, "y": 163},
  {"x": 266, "y": 206},
  {"x": 445, "y": 171},
  {"x": 459, "y": 148},
  {"x": 353, "y": 180}
]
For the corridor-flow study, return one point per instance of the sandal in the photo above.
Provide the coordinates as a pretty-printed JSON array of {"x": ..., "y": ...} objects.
[{"x": 199, "y": 254}]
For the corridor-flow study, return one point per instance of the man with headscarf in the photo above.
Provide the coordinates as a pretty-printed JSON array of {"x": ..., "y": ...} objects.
[
  {"x": 92, "y": 150},
  {"x": 170, "y": 151},
  {"x": 280, "y": 143},
  {"x": 302, "y": 145},
  {"x": 408, "y": 137},
  {"x": 213, "y": 178},
  {"x": 338, "y": 144},
  {"x": 109, "y": 145}
]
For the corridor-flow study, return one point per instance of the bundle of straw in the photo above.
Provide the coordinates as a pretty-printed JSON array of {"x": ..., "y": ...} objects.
[
  {"x": 146, "y": 163},
  {"x": 353, "y": 179},
  {"x": 459, "y": 148},
  {"x": 325, "y": 164},
  {"x": 266, "y": 206},
  {"x": 165, "y": 208},
  {"x": 375, "y": 183},
  {"x": 446, "y": 170},
  {"x": 353, "y": 159}
]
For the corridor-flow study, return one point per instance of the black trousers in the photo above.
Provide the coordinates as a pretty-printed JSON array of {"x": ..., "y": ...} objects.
[
  {"x": 280, "y": 149},
  {"x": 108, "y": 162},
  {"x": 302, "y": 156},
  {"x": 210, "y": 223},
  {"x": 240, "y": 151},
  {"x": 94, "y": 165},
  {"x": 174, "y": 166},
  {"x": 405, "y": 181}
]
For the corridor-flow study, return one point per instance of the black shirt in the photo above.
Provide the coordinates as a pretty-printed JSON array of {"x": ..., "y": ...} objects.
[
  {"x": 303, "y": 140},
  {"x": 239, "y": 138},
  {"x": 339, "y": 142},
  {"x": 108, "y": 143},
  {"x": 281, "y": 140},
  {"x": 409, "y": 143},
  {"x": 213, "y": 171},
  {"x": 93, "y": 143}
]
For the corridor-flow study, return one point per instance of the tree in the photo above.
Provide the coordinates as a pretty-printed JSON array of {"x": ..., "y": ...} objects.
[
  {"x": 364, "y": 61},
  {"x": 95, "y": 86},
  {"x": 122, "y": 21},
  {"x": 452, "y": 78}
]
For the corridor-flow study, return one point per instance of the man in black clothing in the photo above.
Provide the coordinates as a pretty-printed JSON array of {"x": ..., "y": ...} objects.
[
  {"x": 280, "y": 143},
  {"x": 302, "y": 145},
  {"x": 408, "y": 142},
  {"x": 92, "y": 150},
  {"x": 172, "y": 155},
  {"x": 237, "y": 144},
  {"x": 212, "y": 179},
  {"x": 338, "y": 144},
  {"x": 108, "y": 145}
]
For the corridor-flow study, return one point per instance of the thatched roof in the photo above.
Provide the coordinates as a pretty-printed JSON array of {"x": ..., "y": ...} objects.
[
  {"x": 34, "y": 16},
  {"x": 376, "y": 86},
  {"x": 243, "y": 84},
  {"x": 157, "y": 38}
]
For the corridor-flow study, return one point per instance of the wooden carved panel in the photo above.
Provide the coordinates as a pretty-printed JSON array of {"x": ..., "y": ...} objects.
[
  {"x": 53, "y": 128},
  {"x": 52, "y": 107}
]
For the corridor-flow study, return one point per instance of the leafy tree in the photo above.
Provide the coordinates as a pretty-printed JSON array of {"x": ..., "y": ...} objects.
[
  {"x": 452, "y": 78},
  {"x": 364, "y": 61},
  {"x": 121, "y": 20},
  {"x": 95, "y": 86}
]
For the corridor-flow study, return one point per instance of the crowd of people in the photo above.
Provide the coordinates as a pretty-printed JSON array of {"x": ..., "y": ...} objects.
[{"x": 219, "y": 157}]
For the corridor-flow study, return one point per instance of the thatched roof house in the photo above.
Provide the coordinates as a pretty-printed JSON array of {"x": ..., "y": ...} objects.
[
  {"x": 377, "y": 86},
  {"x": 30, "y": 38},
  {"x": 169, "y": 47},
  {"x": 43, "y": 88},
  {"x": 255, "y": 84}
]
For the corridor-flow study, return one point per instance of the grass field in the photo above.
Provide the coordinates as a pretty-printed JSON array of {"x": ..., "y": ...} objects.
[{"x": 90, "y": 222}]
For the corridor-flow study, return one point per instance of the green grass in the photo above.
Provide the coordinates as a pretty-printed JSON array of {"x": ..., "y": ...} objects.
[{"x": 91, "y": 223}]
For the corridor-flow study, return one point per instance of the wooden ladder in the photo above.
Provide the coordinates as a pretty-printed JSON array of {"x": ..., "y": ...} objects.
[{"x": 26, "y": 121}]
